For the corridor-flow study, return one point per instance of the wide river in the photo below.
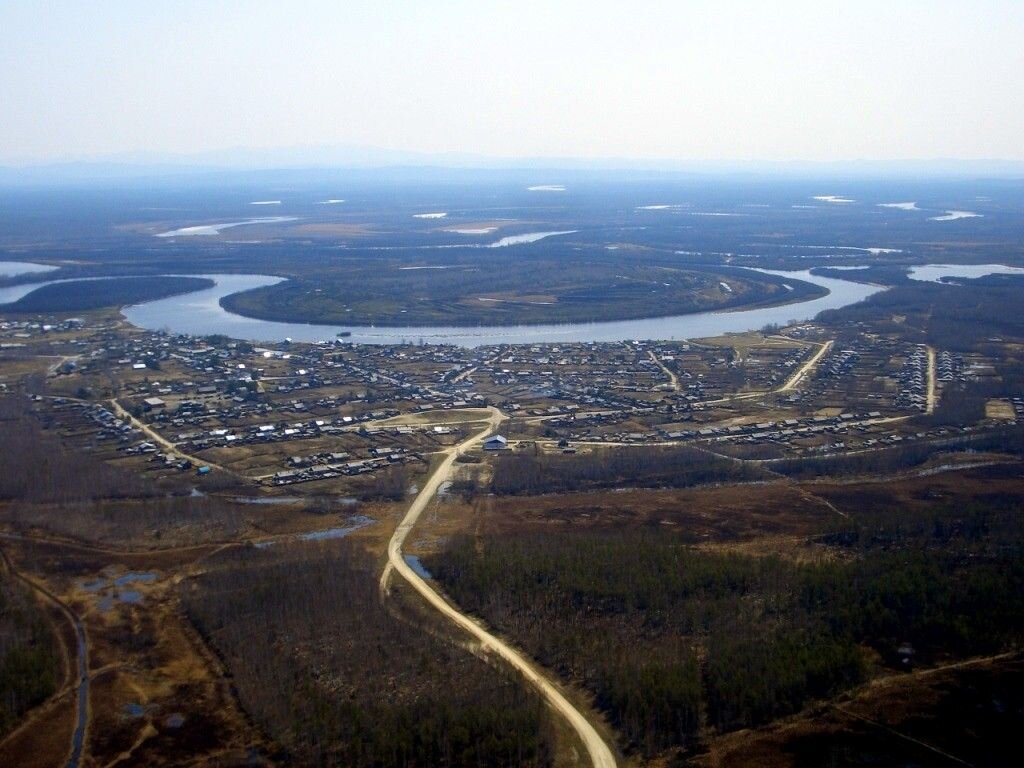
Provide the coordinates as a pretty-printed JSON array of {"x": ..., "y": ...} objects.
[{"x": 200, "y": 313}]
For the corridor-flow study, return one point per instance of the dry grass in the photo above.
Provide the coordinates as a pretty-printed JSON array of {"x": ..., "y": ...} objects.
[{"x": 1000, "y": 409}]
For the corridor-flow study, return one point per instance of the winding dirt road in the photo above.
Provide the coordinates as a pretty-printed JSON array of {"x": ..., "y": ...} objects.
[{"x": 601, "y": 755}]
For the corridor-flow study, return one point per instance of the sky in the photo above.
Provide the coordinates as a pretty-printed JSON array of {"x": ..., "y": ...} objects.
[{"x": 683, "y": 80}]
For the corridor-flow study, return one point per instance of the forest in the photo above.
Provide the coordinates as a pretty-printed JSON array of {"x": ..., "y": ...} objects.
[
  {"x": 29, "y": 663},
  {"x": 956, "y": 316},
  {"x": 627, "y": 614},
  {"x": 677, "y": 467},
  {"x": 336, "y": 679}
]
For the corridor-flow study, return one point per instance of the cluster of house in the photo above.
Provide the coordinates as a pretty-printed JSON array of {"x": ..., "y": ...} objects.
[
  {"x": 838, "y": 363},
  {"x": 236, "y": 423},
  {"x": 787, "y": 432},
  {"x": 1018, "y": 407},
  {"x": 327, "y": 465},
  {"x": 768, "y": 368},
  {"x": 112, "y": 427},
  {"x": 949, "y": 367},
  {"x": 779, "y": 431},
  {"x": 913, "y": 381},
  {"x": 22, "y": 330}
]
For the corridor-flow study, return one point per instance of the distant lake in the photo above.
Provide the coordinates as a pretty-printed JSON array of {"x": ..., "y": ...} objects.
[
  {"x": 934, "y": 273},
  {"x": 210, "y": 230},
  {"x": 15, "y": 268}
]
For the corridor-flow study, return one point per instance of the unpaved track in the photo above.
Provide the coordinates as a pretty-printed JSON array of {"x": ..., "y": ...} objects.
[
  {"x": 159, "y": 439},
  {"x": 806, "y": 368},
  {"x": 600, "y": 754},
  {"x": 673, "y": 380},
  {"x": 932, "y": 383}
]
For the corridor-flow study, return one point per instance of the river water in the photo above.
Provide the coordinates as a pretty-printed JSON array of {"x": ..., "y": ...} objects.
[{"x": 200, "y": 313}]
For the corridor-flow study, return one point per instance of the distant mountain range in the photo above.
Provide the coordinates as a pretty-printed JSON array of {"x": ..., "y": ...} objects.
[{"x": 421, "y": 165}]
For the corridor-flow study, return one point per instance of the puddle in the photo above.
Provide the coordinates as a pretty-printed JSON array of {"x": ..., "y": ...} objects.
[
  {"x": 267, "y": 499},
  {"x": 354, "y": 523},
  {"x": 175, "y": 720},
  {"x": 340, "y": 532},
  {"x": 414, "y": 562},
  {"x": 345, "y": 501},
  {"x": 111, "y": 592},
  {"x": 134, "y": 577},
  {"x": 134, "y": 710}
]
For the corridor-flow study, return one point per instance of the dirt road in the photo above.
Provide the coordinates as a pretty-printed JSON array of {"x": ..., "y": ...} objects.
[
  {"x": 932, "y": 383},
  {"x": 806, "y": 368},
  {"x": 159, "y": 439},
  {"x": 673, "y": 380},
  {"x": 601, "y": 755}
]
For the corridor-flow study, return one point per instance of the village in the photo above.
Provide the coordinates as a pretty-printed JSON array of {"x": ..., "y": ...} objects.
[{"x": 289, "y": 413}]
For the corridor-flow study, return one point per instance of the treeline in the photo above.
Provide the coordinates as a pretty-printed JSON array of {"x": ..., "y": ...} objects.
[
  {"x": 625, "y": 615},
  {"x": 146, "y": 522},
  {"x": 80, "y": 295},
  {"x": 881, "y": 462},
  {"x": 323, "y": 667},
  {"x": 676, "y": 467},
  {"x": 28, "y": 657},
  {"x": 898, "y": 459}
]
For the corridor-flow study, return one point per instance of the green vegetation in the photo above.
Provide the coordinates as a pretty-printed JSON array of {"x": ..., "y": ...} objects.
[
  {"x": 28, "y": 661},
  {"x": 619, "y": 612},
  {"x": 79, "y": 295},
  {"x": 324, "y": 668},
  {"x": 677, "y": 467}
]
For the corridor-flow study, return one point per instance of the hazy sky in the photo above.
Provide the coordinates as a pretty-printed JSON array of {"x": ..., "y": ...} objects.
[{"x": 885, "y": 79}]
